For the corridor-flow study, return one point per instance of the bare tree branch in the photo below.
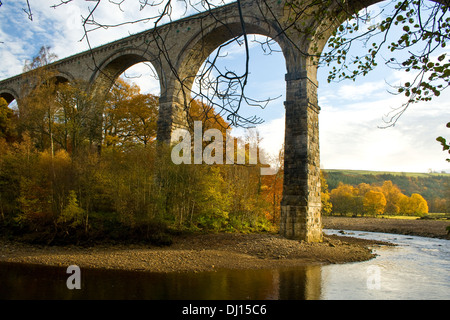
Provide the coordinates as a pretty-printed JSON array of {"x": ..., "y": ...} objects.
[
  {"x": 28, "y": 11},
  {"x": 62, "y": 2},
  {"x": 421, "y": 23}
]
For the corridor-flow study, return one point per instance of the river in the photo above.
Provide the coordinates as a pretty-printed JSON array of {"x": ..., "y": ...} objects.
[{"x": 416, "y": 268}]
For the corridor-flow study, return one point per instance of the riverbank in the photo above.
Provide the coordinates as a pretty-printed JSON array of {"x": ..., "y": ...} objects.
[
  {"x": 196, "y": 253},
  {"x": 419, "y": 227},
  {"x": 209, "y": 252}
]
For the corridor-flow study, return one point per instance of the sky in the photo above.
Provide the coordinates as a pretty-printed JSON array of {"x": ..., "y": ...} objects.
[{"x": 351, "y": 112}]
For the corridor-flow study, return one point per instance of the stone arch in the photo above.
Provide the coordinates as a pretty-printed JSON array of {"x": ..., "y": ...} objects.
[
  {"x": 300, "y": 208},
  {"x": 49, "y": 76},
  {"x": 114, "y": 65},
  {"x": 194, "y": 53},
  {"x": 62, "y": 77},
  {"x": 201, "y": 45},
  {"x": 110, "y": 69},
  {"x": 301, "y": 203},
  {"x": 9, "y": 95}
]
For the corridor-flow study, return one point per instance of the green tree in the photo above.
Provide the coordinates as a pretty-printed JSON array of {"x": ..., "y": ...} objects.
[
  {"x": 75, "y": 120},
  {"x": 18, "y": 166},
  {"x": 343, "y": 199},
  {"x": 72, "y": 215},
  {"x": 38, "y": 106},
  {"x": 214, "y": 202}
]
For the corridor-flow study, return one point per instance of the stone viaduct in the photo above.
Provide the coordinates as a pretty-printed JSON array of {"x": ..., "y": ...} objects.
[{"x": 177, "y": 51}]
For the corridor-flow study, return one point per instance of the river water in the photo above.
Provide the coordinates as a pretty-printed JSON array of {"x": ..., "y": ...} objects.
[{"x": 416, "y": 268}]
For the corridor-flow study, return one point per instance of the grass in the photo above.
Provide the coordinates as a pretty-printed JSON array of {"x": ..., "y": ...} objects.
[
  {"x": 428, "y": 216},
  {"x": 385, "y": 216},
  {"x": 407, "y": 174},
  {"x": 433, "y": 216}
]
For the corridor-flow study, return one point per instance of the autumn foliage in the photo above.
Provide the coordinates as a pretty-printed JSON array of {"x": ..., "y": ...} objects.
[
  {"x": 79, "y": 167},
  {"x": 374, "y": 200},
  {"x": 64, "y": 180}
]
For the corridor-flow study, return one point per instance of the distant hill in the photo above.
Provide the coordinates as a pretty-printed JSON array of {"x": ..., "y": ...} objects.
[{"x": 429, "y": 185}]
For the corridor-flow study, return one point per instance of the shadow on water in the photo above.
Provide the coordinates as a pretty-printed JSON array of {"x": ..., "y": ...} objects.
[{"x": 39, "y": 282}]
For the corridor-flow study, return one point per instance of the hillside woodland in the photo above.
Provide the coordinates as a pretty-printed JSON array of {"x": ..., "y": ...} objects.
[{"x": 404, "y": 192}]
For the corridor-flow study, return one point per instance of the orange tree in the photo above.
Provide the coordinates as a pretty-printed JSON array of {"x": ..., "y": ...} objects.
[{"x": 374, "y": 202}]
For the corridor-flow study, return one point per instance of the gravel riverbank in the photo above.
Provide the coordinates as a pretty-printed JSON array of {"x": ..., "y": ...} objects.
[
  {"x": 208, "y": 252},
  {"x": 195, "y": 253},
  {"x": 419, "y": 227}
]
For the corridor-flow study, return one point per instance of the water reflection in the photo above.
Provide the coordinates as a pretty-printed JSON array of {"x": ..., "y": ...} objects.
[
  {"x": 37, "y": 282},
  {"x": 418, "y": 268},
  {"x": 300, "y": 283}
]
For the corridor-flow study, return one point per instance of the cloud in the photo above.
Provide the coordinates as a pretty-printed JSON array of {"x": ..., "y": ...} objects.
[
  {"x": 272, "y": 134},
  {"x": 144, "y": 75},
  {"x": 361, "y": 91},
  {"x": 23, "y": 37},
  {"x": 15, "y": 36},
  {"x": 351, "y": 112},
  {"x": 61, "y": 28},
  {"x": 350, "y": 136}
]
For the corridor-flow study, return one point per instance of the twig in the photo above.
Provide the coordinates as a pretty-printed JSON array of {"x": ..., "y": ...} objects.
[{"x": 29, "y": 13}]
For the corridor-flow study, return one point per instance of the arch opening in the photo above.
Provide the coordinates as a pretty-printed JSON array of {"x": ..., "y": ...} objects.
[
  {"x": 8, "y": 117},
  {"x": 244, "y": 94},
  {"x": 114, "y": 66},
  {"x": 11, "y": 103},
  {"x": 261, "y": 112},
  {"x": 231, "y": 80},
  {"x": 130, "y": 85},
  {"x": 9, "y": 97},
  {"x": 209, "y": 70}
]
